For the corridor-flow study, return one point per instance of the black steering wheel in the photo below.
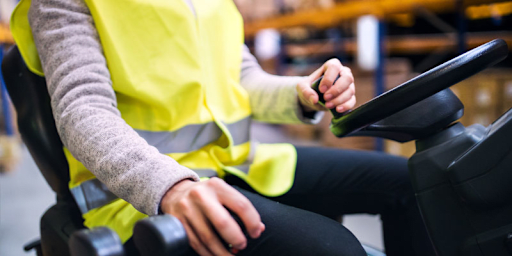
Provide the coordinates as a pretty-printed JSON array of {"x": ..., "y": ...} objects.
[{"x": 418, "y": 88}]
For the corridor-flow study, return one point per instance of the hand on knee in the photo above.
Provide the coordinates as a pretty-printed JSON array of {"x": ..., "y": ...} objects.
[{"x": 202, "y": 208}]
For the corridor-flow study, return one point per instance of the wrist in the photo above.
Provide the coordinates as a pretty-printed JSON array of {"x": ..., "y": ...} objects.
[{"x": 171, "y": 193}]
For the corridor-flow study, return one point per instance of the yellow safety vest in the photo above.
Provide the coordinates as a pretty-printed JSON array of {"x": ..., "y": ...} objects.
[{"x": 176, "y": 76}]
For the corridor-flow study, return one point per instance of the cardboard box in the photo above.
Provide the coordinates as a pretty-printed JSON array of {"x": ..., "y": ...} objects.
[
  {"x": 400, "y": 149},
  {"x": 464, "y": 92},
  {"x": 261, "y": 9},
  {"x": 254, "y": 10},
  {"x": 481, "y": 96},
  {"x": 301, "y": 5},
  {"x": 301, "y": 132},
  {"x": 482, "y": 118},
  {"x": 507, "y": 96}
]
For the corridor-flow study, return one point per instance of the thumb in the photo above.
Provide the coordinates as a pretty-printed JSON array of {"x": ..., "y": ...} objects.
[{"x": 306, "y": 93}]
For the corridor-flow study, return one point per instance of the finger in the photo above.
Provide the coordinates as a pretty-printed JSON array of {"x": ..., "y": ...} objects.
[
  {"x": 332, "y": 69},
  {"x": 205, "y": 233},
  {"x": 243, "y": 208},
  {"x": 194, "y": 241},
  {"x": 309, "y": 97},
  {"x": 306, "y": 93},
  {"x": 347, "y": 105},
  {"x": 342, "y": 98},
  {"x": 219, "y": 217},
  {"x": 341, "y": 85},
  {"x": 225, "y": 225},
  {"x": 317, "y": 74}
]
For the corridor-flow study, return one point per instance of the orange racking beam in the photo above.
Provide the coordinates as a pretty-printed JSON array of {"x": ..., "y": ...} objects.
[
  {"x": 353, "y": 9},
  {"x": 5, "y": 35}
]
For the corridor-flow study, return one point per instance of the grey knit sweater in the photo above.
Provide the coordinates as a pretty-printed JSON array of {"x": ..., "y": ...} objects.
[{"x": 90, "y": 125}]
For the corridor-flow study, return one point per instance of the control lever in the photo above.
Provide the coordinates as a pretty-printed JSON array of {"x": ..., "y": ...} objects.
[
  {"x": 100, "y": 241},
  {"x": 161, "y": 235},
  {"x": 335, "y": 115}
]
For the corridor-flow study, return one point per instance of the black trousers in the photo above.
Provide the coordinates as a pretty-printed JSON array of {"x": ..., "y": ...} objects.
[{"x": 333, "y": 182}]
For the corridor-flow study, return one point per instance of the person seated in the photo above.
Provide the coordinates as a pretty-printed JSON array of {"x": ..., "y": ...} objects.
[{"x": 151, "y": 97}]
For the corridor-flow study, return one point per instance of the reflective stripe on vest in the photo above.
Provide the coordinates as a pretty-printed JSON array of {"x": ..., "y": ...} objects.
[
  {"x": 93, "y": 193},
  {"x": 176, "y": 76},
  {"x": 193, "y": 137}
]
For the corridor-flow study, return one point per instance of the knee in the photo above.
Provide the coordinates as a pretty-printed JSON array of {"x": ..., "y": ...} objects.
[
  {"x": 318, "y": 237},
  {"x": 339, "y": 242},
  {"x": 292, "y": 231}
]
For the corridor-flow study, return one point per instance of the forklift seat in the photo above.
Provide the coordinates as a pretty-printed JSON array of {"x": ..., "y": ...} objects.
[
  {"x": 61, "y": 227},
  {"x": 30, "y": 98}
]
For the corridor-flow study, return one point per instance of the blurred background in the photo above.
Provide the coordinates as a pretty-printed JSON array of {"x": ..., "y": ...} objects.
[{"x": 384, "y": 42}]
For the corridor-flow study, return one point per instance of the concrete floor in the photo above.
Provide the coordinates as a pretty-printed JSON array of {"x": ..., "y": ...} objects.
[{"x": 24, "y": 196}]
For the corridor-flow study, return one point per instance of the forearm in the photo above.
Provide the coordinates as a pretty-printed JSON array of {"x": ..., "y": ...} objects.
[
  {"x": 85, "y": 112},
  {"x": 273, "y": 98}
]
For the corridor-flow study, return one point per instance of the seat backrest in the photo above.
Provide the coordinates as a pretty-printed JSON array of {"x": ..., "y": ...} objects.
[{"x": 30, "y": 97}]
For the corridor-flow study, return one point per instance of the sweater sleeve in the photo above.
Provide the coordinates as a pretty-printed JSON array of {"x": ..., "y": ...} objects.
[
  {"x": 273, "y": 98},
  {"x": 85, "y": 108}
]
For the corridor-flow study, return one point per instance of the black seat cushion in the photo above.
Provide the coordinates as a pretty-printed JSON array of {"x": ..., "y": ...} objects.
[{"x": 35, "y": 120}]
